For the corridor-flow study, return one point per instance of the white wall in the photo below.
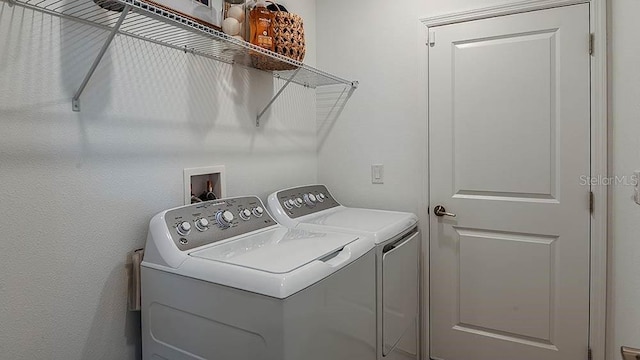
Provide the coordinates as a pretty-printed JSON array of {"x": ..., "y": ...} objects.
[
  {"x": 382, "y": 45},
  {"x": 385, "y": 122},
  {"x": 624, "y": 267},
  {"x": 78, "y": 189}
]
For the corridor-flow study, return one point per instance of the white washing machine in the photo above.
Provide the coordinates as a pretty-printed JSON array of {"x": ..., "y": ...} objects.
[
  {"x": 222, "y": 280},
  {"x": 397, "y": 242}
]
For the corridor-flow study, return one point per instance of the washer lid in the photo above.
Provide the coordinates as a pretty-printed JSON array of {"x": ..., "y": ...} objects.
[
  {"x": 276, "y": 252},
  {"x": 381, "y": 225},
  {"x": 276, "y": 262}
]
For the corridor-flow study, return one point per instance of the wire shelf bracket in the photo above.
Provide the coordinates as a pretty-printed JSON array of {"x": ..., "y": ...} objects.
[
  {"x": 275, "y": 97},
  {"x": 75, "y": 102}
]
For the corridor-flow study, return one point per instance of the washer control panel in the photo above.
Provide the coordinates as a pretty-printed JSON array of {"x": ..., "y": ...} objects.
[
  {"x": 208, "y": 222},
  {"x": 306, "y": 200}
]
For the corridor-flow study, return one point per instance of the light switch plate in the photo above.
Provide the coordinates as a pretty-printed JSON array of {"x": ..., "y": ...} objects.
[{"x": 377, "y": 174}]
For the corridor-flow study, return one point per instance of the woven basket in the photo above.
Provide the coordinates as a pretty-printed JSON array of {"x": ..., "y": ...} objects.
[{"x": 288, "y": 33}]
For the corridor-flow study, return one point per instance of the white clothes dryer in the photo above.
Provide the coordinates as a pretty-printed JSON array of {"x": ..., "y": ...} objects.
[
  {"x": 222, "y": 280},
  {"x": 397, "y": 240}
]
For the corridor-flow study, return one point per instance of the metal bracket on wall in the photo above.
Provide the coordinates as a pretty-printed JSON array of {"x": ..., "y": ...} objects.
[
  {"x": 75, "y": 103},
  {"x": 261, "y": 113},
  {"x": 10, "y": 2}
]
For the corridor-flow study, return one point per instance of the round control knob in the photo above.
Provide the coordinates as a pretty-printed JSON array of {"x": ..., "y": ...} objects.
[
  {"x": 321, "y": 197},
  {"x": 289, "y": 204},
  {"x": 202, "y": 224},
  {"x": 310, "y": 199},
  {"x": 184, "y": 228},
  {"x": 258, "y": 211},
  {"x": 245, "y": 214},
  {"x": 299, "y": 202},
  {"x": 224, "y": 218}
]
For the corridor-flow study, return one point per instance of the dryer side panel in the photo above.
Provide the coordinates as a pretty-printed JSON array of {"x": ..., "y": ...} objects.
[{"x": 400, "y": 298}]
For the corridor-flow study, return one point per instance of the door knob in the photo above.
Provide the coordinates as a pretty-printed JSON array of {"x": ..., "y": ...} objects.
[{"x": 441, "y": 211}]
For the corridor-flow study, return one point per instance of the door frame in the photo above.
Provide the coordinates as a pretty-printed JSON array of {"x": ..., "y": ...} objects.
[{"x": 599, "y": 148}]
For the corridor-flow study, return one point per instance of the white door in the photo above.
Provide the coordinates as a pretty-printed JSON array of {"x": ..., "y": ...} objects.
[{"x": 509, "y": 126}]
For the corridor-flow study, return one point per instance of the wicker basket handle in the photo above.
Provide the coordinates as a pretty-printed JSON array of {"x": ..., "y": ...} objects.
[{"x": 280, "y": 8}]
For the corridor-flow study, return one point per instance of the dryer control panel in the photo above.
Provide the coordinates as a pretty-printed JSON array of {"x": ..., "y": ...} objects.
[
  {"x": 208, "y": 222},
  {"x": 306, "y": 200}
]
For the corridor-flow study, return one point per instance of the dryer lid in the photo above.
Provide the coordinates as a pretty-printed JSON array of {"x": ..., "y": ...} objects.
[
  {"x": 380, "y": 224},
  {"x": 276, "y": 252}
]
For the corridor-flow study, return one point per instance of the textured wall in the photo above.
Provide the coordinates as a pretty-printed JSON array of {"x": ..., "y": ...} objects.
[{"x": 77, "y": 189}]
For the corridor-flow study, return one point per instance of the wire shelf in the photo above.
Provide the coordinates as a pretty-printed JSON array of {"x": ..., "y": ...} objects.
[{"x": 151, "y": 23}]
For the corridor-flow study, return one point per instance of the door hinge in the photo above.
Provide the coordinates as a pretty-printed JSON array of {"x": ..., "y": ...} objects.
[
  {"x": 431, "y": 41},
  {"x": 592, "y": 39},
  {"x": 589, "y": 354},
  {"x": 591, "y": 201}
]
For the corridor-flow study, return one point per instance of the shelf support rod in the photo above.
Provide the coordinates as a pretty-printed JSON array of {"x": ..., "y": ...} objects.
[
  {"x": 75, "y": 103},
  {"x": 276, "y": 97}
]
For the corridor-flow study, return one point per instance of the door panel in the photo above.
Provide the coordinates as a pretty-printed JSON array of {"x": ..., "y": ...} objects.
[
  {"x": 520, "y": 69},
  {"x": 486, "y": 303},
  {"x": 509, "y": 139}
]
